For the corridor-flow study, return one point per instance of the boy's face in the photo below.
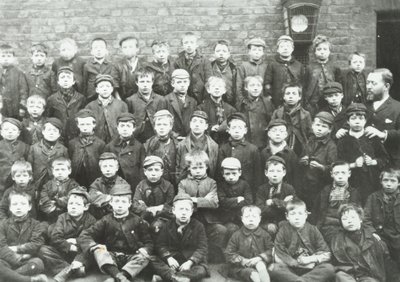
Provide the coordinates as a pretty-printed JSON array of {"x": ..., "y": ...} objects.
[
  {"x": 38, "y": 58},
  {"x": 254, "y": 88},
  {"x": 154, "y": 172},
  {"x": 275, "y": 173},
  {"x": 198, "y": 125},
  {"x": 182, "y": 210},
  {"x": 189, "y": 44},
  {"x": 320, "y": 128},
  {"x": 66, "y": 80},
  {"x": 357, "y": 122},
  {"x": 291, "y": 96},
  {"x": 163, "y": 126},
  {"x": 99, "y": 49},
  {"x": 285, "y": 49},
  {"x": 251, "y": 219},
  {"x": 129, "y": 48},
  {"x": 180, "y": 85},
  {"x": 297, "y": 216},
  {"x": 9, "y": 131},
  {"x": 198, "y": 169},
  {"x": 6, "y": 59},
  {"x": 19, "y": 205},
  {"x": 109, "y": 167},
  {"x": 237, "y": 129},
  {"x": 341, "y": 174},
  {"x": 22, "y": 178},
  {"x": 86, "y": 125},
  {"x": 390, "y": 183},
  {"x": 357, "y": 63},
  {"x": 277, "y": 134},
  {"x": 222, "y": 53},
  {"x": 61, "y": 171},
  {"x": 334, "y": 99},
  {"x": 104, "y": 89},
  {"x": 121, "y": 204},
  {"x": 67, "y": 51},
  {"x": 76, "y": 206},
  {"x": 217, "y": 89},
  {"x": 230, "y": 175},
  {"x": 35, "y": 108},
  {"x": 144, "y": 84},
  {"x": 322, "y": 51},
  {"x": 256, "y": 52},
  {"x": 50, "y": 132},
  {"x": 351, "y": 221},
  {"x": 125, "y": 129},
  {"x": 160, "y": 53}
]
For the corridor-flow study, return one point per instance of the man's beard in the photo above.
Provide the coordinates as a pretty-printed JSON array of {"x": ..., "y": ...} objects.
[{"x": 374, "y": 97}]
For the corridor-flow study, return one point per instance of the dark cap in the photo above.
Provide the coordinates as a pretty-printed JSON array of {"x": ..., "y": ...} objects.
[
  {"x": 150, "y": 160},
  {"x": 356, "y": 108},
  {"x": 163, "y": 113},
  {"x": 13, "y": 121},
  {"x": 121, "y": 189},
  {"x": 85, "y": 113},
  {"x": 125, "y": 117},
  {"x": 284, "y": 38},
  {"x": 275, "y": 158},
  {"x": 64, "y": 69},
  {"x": 108, "y": 156},
  {"x": 276, "y": 122},
  {"x": 103, "y": 77},
  {"x": 238, "y": 116},
  {"x": 325, "y": 117},
  {"x": 257, "y": 41},
  {"x": 199, "y": 114},
  {"x": 332, "y": 87},
  {"x": 81, "y": 191},
  {"x": 182, "y": 197},
  {"x": 55, "y": 122}
]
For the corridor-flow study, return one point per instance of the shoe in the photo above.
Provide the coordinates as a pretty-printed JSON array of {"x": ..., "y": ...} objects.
[
  {"x": 39, "y": 278},
  {"x": 176, "y": 278},
  {"x": 63, "y": 275},
  {"x": 78, "y": 272},
  {"x": 156, "y": 278},
  {"x": 120, "y": 277}
]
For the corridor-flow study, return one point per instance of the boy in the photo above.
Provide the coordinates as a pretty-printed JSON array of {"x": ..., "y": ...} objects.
[
  {"x": 258, "y": 110},
  {"x": 66, "y": 102},
  {"x": 130, "y": 152},
  {"x": 245, "y": 152},
  {"x": 224, "y": 67},
  {"x": 297, "y": 118},
  {"x": 69, "y": 58},
  {"x": 63, "y": 257},
  {"x": 179, "y": 103},
  {"x": 197, "y": 140},
  {"x": 366, "y": 155},
  {"x": 197, "y": 65},
  {"x": 33, "y": 124},
  {"x": 354, "y": 80},
  {"x": 85, "y": 149},
  {"x": 44, "y": 152},
  {"x": 301, "y": 252},
  {"x": 125, "y": 68},
  {"x": 13, "y": 85},
  {"x": 39, "y": 76},
  {"x": 144, "y": 104},
  {"x": 216, "y": 109},
  {"x": 272, "y": 196},
  {"x": 325, "y": 211},
  {"x": 249, "y": 251},
  {"x": 162, "y": 67},
  {"x": 254, "y": 66},
  {"x": 319, "y": 153},
  {"x": 106, "y": 108},
  {"x": 53, "y": 196},
  {"x": 382, "y": 209},
  {"x": 154, "y": 195},
  {"x": 99, "y": 191},
  {"x": 21, "y": 237},
  {"x": 120, "y": 242},
  {"x": 181, "y": 245},
  {"x": 283, "y": 68},
  {"x": 98, "y": 64}
]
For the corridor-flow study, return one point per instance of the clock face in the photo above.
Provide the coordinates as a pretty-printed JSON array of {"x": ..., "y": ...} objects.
[{"x": 299, "y": 23}]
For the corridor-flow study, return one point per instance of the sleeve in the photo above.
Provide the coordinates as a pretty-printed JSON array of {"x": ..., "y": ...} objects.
[
  {"x": 393, "y": 135},
  {"x": 45, "y": 204},
  {"x": 89, "y": 237},
  {"x": 331, "y": 156},
  {"x": 36, "y": 240},
  {"x": 231, "y": 251},
  {"x": 162, "y": 246},
  {"x": 168, "y": 200},
  {"x": 200, "y": 253},
  {"x": 381, "y": 154},
  {"x": 322, "y": 253},
  {"x": 5, "y": 252},
  {"x": 145, "y": 237},
  {"x": 281, "y": 249},
  {"x": 268, "y": 77},
  {"x": 224, "y": 200},
  {"x": 138, "y": 204},
  {"x": 23, "y": 90},
  {"x": 179, "y": 169},
  {"x": 85, "y": 78},
  {"x": 368, "y": 211},
  {"x": 211, "y": 199},
  {"x": 268, "y": 246},
  {"x": 57, "y": 236},
  {"x": 240, "y": 85},
  {"x": 97, "y": 198},
  {"x": 4, "y": 206}
]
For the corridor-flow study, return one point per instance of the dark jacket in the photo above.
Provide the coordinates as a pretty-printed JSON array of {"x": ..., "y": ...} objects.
[
  {"x": 31, "y": 132},
  {"x": 100, "y": 190},
  {"x": 162, "y": 76},
  {"x": 228, "y": 74},
  {"x": 39, "y": 81},
  {"x": 339, "y": 121},
  {"x": 76, "y": 63},
  {"x": 354, "y": 86},
  {"x": 31, "y": 190},
  {"x": 90, "y": 70}
]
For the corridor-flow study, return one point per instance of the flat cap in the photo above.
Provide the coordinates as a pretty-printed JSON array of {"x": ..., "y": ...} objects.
[
  {"x": 125, "y": 117},
  {"x": 284, "y": 38},
  {"x": 121, "y": 189},
  {"x": 180, "y": 73},
  {"x": 65, "y": 69},
  {"x": 13, "y": 121},
  {"x": 85, "y": 113},
  {"x": 163, "y": 113},
  {"x": 199, "y": 114},
  {"x": 275, "y": 158},
  {"x": 232, "y": 163},
  {"x": 104, "y": 77},
  {"x": 150, "y": 160},
  {"x": 276, "y": 122},
  {"x": 182, "y": 197},
  {"x": 108, "y": 156},
  {"x": 325, "y": 117},
  {"x": 81, "y": 191},
  {"x": 332, "y": 87},
  {"x": 356, "y": 108},
  {"x": 55, "y": 122},
  {"x": 257, "y": 41},
  {"x": 238, "y": 116}
]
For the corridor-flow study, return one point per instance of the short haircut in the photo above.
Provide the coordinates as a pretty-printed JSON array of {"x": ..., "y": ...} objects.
[
  {"x": 171, "y": 118},
  {"x": 351, "y": 207},
  {"x": 61, "y": 161},
  {"x": 85, "y": 200},
  {"x": 159, "y": 43},
  {"x": 39, "y": 47},
  {"x": 21, "y": 166},
  {"x": 391, "y": 171},
  {"x": 362, "y": 55},
  {"x": 386, "y": 74},
  {"x": 77, "y": 119},
  {"x": 189, "y": 34},
  {"x": 98, "y": 39},
  {"x": 129, "y": 38},
  {"x": 253, "y": 77},
  {"x": 175, "y": 202},
  {"x": 222, "y": 42},
  {"x": 339, "y": 163},
  {"x": 20, "y": 193},
  {"x": 215, "y": 79},
  {"x": 197, "y": 156},
  {"x": 37, "y": 98},
  {"x": 319, "y": 39},
  {"x": 273, "y": 162},
  {"x": 251, "y": 208},
  {"x": 101, "y": 161},
  {"x": 289, "y": 85},
  {"x": 295, "y": 203},
  {"x": 143, "y": 72},
  {"x": 69, "y": 41},
  {"x": 6, "y": 48}
]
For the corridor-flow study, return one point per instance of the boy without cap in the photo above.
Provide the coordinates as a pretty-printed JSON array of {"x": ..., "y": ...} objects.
[{"x": 39, "y": 75}]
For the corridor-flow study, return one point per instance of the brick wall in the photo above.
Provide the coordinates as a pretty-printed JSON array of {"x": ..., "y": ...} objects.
[{"x": 350, "y": 23}]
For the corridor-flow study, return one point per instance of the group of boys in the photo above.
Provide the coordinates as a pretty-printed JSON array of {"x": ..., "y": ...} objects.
[{"x": 166, "y": 165}]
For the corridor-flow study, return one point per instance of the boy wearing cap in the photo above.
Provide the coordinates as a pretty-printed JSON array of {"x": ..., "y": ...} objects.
[
  {"x": 197, "y": 140},
  {"x": 153, "y": 196},
  {"x": 13, "y": 85},
  {"x": 39, "y": 75},
  {"x": 256, "y": 65},
  {"x": 179, "y": 103},
  {"x": 181, "y": 245},
  {"x": 196, "y": 64},
  {"x": 366, "y": 156},
  {"x": 66, "y": 102},
  {"x": 128, "y": 149},
  {"x": 144, "y": 104},
  {"x": 283, "y": 68},
  {"x": 120, "y": 242},
  {"x": 63, "y": 256},
  {"x": 106, "y": 108},
  {"x": 33, "y": 124},
  {"x": 85, "y": 149}
]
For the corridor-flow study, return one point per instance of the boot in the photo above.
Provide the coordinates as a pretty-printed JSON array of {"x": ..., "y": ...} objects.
[
  {"x": 32, "y": 267},
  {"x": 156, "y": 278},
  {"x": 78, "y": 272},
  {"x": 63, "y": 275},
  {"x": 39, "y": 278},
  {"x": 120, "y": 277}
]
